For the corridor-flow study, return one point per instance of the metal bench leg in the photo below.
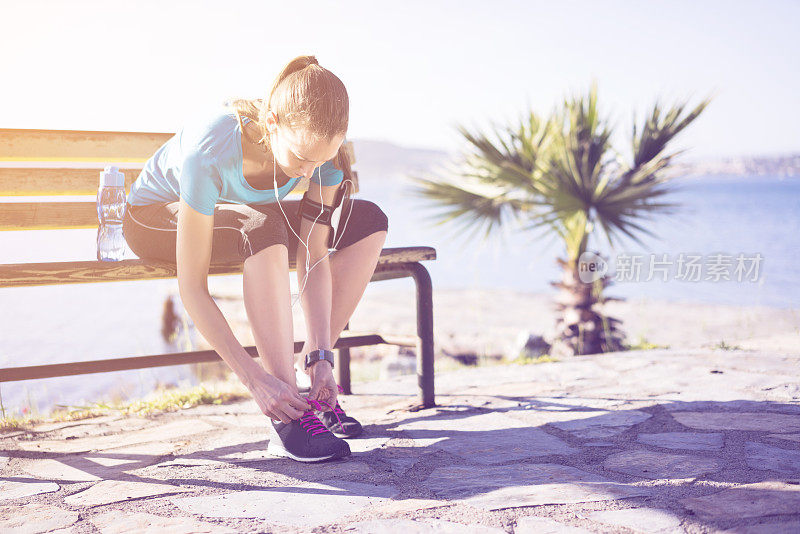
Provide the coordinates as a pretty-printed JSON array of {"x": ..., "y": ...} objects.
[
  {"x": 344, "y": 366},
  {"x": 425, "y": 333}
]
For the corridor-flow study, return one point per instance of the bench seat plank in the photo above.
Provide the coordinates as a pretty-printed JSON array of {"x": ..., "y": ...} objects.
[{"x": 78, "y": 272}]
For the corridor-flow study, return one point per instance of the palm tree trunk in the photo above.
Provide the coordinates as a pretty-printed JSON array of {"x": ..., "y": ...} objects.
[{"x": 580, "y": 328}]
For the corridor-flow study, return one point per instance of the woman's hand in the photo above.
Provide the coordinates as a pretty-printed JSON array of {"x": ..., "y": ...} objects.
[
  {"x": 276, "y": 398},
  {"x": 323, "y": 385}
]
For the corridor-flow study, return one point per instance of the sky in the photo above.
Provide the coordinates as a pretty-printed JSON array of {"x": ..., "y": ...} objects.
[{"x": 413, "y": 69}]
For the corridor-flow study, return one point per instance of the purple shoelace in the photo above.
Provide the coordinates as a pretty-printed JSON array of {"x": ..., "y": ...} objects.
[
  {"x": 337, "y": 410},
  {"x": 311, "y": 423}
]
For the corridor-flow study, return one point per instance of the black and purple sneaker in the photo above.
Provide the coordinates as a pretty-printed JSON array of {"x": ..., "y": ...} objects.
[
  {"x": 306, "y": 439},
  {"x": 339, "y": 423}
]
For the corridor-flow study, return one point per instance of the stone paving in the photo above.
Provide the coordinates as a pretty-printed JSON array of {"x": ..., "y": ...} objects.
[{"x": 657, "y": 441}]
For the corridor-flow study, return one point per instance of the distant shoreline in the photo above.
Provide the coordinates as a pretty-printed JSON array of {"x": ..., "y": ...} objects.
[
  {"x": 778, "y": 165},
  {"x": 787, "y": 165}
]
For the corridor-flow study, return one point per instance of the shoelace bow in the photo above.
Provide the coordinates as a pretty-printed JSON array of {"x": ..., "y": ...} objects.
[{"x": 311, "y": 422}]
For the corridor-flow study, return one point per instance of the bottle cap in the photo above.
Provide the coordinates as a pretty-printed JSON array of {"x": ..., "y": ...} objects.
[{"x": 112, "y": 177}]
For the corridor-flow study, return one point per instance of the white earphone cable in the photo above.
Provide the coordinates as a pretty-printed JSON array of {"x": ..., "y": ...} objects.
[
  {"x": 306, "y": 243},
  {"x": 305, "y": 278}
]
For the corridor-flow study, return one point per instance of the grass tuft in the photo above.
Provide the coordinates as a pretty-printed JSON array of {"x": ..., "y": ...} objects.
[
  {"x": 158, "y": 401},
  {"x": 643, "y": 344},
  {"x": 724, "y": 346},
  {"x": 524, "y": 359}
]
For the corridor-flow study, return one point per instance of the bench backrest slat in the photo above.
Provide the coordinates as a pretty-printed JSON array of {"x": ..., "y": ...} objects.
[
  {"x": 49, "y": 181},
  {"x": 16, "y": 216},
  {"x": 23, "y": 145},
  {"x": 48, "y": 215},
  {"x": 75, "y": 145},
  {"x": 68, "y": 162}
]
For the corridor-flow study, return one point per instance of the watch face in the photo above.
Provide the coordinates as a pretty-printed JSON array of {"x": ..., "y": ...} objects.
[{"x": 315, "y": 356}]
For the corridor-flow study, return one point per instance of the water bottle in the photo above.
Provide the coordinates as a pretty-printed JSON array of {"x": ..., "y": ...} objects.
[{"x": 110, "y": 212}]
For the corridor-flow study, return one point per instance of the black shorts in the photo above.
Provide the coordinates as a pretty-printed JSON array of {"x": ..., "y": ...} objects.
[{"x": 240, "y": 230}]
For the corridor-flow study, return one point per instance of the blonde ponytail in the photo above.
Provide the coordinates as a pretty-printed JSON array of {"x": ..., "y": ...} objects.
[{"x": 307, "y": 97}]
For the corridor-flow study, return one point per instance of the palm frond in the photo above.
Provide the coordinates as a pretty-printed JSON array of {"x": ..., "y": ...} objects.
[
  {"x": 656, "y": 133},
  {"x": 476, "y": 205},
  {"x": 560, "y": 175}
]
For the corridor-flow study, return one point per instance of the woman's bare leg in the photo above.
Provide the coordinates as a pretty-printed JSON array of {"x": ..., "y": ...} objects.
[
  {"x": 351, "y": 270},
  {"x": 267, "y": 300}
]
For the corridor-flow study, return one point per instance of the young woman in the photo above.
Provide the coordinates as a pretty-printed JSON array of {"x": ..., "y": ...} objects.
[{"x": 213, "y": 194}]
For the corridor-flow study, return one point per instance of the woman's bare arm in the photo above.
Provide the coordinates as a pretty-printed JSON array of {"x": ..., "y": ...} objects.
[
  {"x": 193, "y": 254},
  {"x": 317, "y": 295},
  {"x": 274, "y": 397}
]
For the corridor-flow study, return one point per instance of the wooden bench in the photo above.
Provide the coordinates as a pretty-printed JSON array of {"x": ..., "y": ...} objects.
[{"x": 44, "y": 163}]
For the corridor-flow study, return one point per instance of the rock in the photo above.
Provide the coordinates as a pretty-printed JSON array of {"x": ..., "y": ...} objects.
[
  {"x": 760, "y": 456},
  {"x": 648, "y": 464},
  {"x": 158, "y": 433},
  {"x": 787, "y": 437},
  {"x": 332, "y": 500},
  {"x": 464, "y": 357},
  {"x": 489, "y": 438},
  {"x": 182, "y": 461},
  {"x": 754, "y": 422},
  {"x": 647, "y": 520},
  {"x": 459, "y": 350},
  {"x": 528, "y": 345},
  {"x": 447, "y": 424},
  {"x": 394, "y": 507},
  {"x": 16, "y": 490},
  {"x": 543, "y": 525},
  {"x": 683, "y": 440},
  {"x": 602, "y": 426},
  {"x": 349, "y": 468},
  {"x": 512, "y": 486},
  {"x": 367, "y": 445},
  {"x": 403, "y": 363},
  {"x": 35, "y": 517},
  {"x": 241, "y": 422},
  {"x": 421, "y": 526},
  {"x": 495, "y": 447},
  {"x": 119, "y": 522},
  {"x": 82, "y": 468},
  {"x": 109, "y": 491},
  {"x": 779, "y": 527},
  {"x": 748, "y": 500},
  {"x": 141, "y": 453},
  {"x": 555, "y": 415},
  {"x": 401, "y": 459}
]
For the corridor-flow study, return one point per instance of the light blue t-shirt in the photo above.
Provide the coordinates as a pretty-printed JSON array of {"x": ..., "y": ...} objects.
[{"x": 203, "y": 164}]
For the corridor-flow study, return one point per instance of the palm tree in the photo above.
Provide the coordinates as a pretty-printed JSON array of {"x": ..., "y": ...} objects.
[{"x": 561, "y": 176}]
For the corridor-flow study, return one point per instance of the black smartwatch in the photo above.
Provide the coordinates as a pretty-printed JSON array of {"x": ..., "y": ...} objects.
[{"x": 318, "y": 355}]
